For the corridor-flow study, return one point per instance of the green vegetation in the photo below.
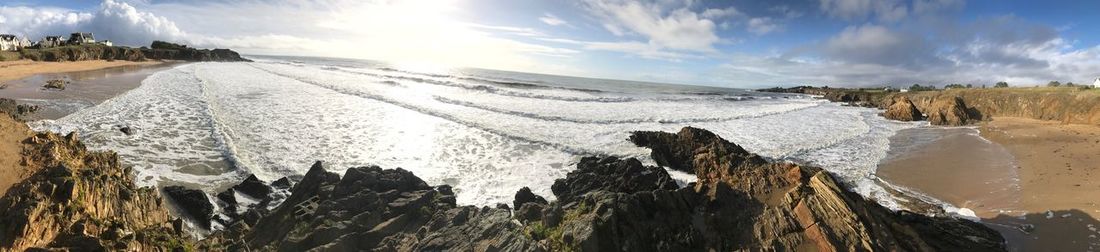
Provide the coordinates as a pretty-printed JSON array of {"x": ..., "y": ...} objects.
[
  {"x": 918, "y": 87},
  {"x": 1054, "y": 84},
  {"x": 9, "y": 56},
  {"x": 956, "y": 85},
  {"x": 1001, "y": 85}
]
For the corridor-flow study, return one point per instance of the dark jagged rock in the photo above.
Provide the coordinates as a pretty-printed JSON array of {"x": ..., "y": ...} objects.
[
  {"x": 17, "y": 111},
  {"x": 610, "y": 174},
  {"x": 229, "y": 199},
  {"x": 127, "y": 130},
  {"x": 254, "y": 187},
  {"x": 282, "y": 183},
  {"x": 524, "y": 195},
  {"x": 169, "y": 51},
  {"x": 192, "y": 202},
  {"x": 804, "y": 206},
  {"x": 374, "y": 208}
]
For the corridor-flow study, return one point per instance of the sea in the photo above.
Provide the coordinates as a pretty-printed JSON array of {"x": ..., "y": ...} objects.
[{"x": 487, "y": 133}]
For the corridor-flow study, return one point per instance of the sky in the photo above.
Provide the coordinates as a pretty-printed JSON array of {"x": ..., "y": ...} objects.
[{"x": 743, "y": 44}]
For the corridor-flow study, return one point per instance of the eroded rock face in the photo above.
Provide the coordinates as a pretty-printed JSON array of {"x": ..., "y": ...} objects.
[
  {"x": 949, "y": 111},
  {"x": 83, "y": 200},
  {"x": 903, "y": 110},
  {"x": 802, "y": 207}
]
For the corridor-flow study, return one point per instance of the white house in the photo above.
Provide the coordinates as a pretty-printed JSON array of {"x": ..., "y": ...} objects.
[
  {"x": 1096, "y": 84},
  {"x": 10, "y": 42}
]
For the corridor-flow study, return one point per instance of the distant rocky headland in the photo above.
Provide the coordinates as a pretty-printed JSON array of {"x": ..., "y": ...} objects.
[
  {"x": 158, "y": 50},
  {"x": 964, "y": 106},
  {"x": 69, "y": 197}
]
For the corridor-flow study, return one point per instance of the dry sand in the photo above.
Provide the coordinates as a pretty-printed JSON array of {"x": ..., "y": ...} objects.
[
  {"x": 1036, "y": 181},
  {"x": 12, "y": 70},
  {"x": 12, "y": 134}
]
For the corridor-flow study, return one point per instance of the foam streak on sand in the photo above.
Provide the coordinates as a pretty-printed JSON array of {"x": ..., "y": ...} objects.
[{"x": 483, "y": 137}]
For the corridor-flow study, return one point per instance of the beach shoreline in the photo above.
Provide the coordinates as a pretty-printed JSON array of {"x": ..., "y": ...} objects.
[
  {"x": 87, "y": 83},
  {"x": 1029, "y": 179},
  {"x": 14, "y": 70}
]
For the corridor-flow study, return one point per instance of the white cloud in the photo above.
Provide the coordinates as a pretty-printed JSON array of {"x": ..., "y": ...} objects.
[
  {"x": 721, "y": 13},
  {"x": 552, "y": 20},
  {"x": 113, "y": 20},
  {"x": 676, "y": 28},
  {"x": 857, "y": 10},
  {"x": 763, "y": 25}
]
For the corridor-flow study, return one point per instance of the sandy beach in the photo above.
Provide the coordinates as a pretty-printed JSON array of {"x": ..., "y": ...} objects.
[
  {"x": 89, "y": 83},
  {"x": 1033, "y": 180},
  {"x": 12, "y": 70}
]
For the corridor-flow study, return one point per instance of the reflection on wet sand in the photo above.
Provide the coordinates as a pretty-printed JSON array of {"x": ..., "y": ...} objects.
[{"x": 85, "y": 88}]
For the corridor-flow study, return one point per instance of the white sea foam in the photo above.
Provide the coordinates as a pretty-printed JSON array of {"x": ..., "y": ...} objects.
[{"x": 211, "y": 123}]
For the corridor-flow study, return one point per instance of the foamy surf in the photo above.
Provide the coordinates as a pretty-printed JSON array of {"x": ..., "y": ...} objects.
[{"x": 211, "y": 123}]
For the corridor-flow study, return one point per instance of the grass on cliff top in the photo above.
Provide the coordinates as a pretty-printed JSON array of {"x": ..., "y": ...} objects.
[
  {"x": 1032, "y": 90},
  {"x": 9, "y": 56}
]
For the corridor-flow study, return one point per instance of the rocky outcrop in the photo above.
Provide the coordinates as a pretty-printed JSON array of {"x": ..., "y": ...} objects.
[
  {"x": 740, "y": 202},
  {"x": 169, "y": 51},
  {"x": 82, "y": 200},
  {"x": 373, "y": 208},
  {"x": 903, "y": 110},
  {"x": 12, "y": 109},
  {"x": 193, "y": 202},
  {"x": 84, "y": 52},
  {"x": 788, "y": 206},
  {"x": 950, "y": 111},
  {"x": 157, "y": 51},
  {"x": 1062, "y": 105}
]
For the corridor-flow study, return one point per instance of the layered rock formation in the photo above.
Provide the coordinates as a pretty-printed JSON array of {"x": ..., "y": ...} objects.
[
  {"x": 72, "y": 198},
  {"x": 903, "y": 110},
  {"x": 740, "y": 202},
  {"x": 1062, "y": 105},
  {"x": 955, "y": 107}
]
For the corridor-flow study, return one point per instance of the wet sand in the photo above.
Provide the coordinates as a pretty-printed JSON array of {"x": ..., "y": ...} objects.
[
  {"x": 12, "y": 70},
  {"x": 86, "y": 88},
  {"x": 1031, "y": 180}
]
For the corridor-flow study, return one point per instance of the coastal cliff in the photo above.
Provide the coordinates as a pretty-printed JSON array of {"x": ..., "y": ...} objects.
[
  {"x": 66, "y": 197},
  {"x": 74, "y": 198},
  {"x": 956, "y": 107},
  {"x": 159, "y": 50}
]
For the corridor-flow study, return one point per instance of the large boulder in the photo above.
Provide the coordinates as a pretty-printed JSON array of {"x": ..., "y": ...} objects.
[
  {"x": 903, "y": 110},
  {"x": 193, "y": 202},
  {"x": 254, "y": 187},
  {"x": 948, "y": 111},
  {"x": 524, "y": 195}
]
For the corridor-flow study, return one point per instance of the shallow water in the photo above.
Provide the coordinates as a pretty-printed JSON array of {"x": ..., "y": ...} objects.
[{"x": 487, "y": 133}]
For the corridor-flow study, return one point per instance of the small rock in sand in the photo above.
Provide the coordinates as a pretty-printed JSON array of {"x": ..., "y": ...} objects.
[{"x": 127, "y": 130}]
